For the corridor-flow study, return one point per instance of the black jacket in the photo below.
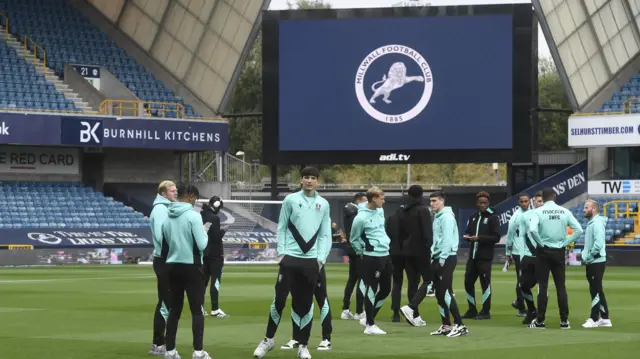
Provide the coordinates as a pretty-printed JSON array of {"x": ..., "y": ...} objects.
[
  {"x": 391, "y": 226},
  {"x": 487, "y": 227},
  {"x": 215, "y": 234},
  {"x": 350, "y": 212},
  {"x": 416, "y": 228}
]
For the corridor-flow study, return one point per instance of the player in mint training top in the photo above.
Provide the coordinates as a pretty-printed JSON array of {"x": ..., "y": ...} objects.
[
  {"x": 594, "y": 255},
  {"x": 370, "y": 241},
  {"x": 443, "y": 263},
  {"x": 167, "y": 193},
  {"x": 186, "y": 240},
  {"x": 304, "y": 242},
  {"x": 527, "y": 248},
  {"x": 548, "y": 227},
  {"x": 512, "y": 247}
]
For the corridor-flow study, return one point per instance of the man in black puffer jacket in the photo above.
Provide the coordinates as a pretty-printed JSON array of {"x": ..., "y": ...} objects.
[
  {"x": 482, "y": 233},
  {"x": 213, "y": 258},
  {"x": 416, "y": 235}
]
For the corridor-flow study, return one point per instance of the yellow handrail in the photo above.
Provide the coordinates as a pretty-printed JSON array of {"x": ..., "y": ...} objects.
[
  {"x": 28, "y": 40},
  {"x": 628, "y": 212},
  {"x": 6, "y": 25},
  {"x": 146, "y": 109}
]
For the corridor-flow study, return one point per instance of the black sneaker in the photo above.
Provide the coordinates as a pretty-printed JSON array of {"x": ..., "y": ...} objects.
[
  {"x": 529, "y": 318},
  {"x": 470, "y": 314},
  {"x": 565, "y": 324},
  {"x": 482, "y": 316},
  {"x": 396, "y": 317},
  {"x": 536, "y": 325}
]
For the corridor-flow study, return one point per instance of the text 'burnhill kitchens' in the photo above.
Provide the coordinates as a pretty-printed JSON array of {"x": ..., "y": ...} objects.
[{"x": 161, "y": 135}]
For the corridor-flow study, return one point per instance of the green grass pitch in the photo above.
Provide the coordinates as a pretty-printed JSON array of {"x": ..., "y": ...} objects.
[{"x": 106, "y": 312}]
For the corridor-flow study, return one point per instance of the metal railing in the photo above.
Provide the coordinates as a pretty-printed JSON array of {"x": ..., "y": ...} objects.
[
  {"x": 147, "y": 109},
  {"x": 627, "y": 212},
  {"x": 627, "y": 107},
  {"x": 36, "y": 48},
  {"x": 6, "y": 25}
]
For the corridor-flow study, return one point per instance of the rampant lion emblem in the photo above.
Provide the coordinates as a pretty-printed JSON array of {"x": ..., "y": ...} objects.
[{"x": 397, "y": 78}]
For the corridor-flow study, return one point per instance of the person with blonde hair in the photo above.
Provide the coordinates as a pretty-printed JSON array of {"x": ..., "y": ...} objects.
[
  {"x": 166, "y": 194},
  {"x": 370, "y": 241}
]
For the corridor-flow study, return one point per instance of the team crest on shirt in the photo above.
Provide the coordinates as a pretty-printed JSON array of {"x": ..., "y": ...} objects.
[
  {"x": 399, "y": 86},
  {"x": 377, "y": 274},
  {"x": 318, "y": 206},
  {"x": 279, "y": 278},
  {"x": 485, "y": 220}
]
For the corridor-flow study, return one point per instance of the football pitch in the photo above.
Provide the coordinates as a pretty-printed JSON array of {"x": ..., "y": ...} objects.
[{"x": 106, "y": 312}]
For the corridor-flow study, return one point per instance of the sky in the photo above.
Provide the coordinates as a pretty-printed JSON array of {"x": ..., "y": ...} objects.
[{"x": 543, "y": 49}]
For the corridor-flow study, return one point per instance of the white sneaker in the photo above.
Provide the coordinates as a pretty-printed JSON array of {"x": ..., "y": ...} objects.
[
  {"x": 200, "y": 355},
  {"x": 172, "y": 355},
  {"x": 324, "y": 345},
  {"x": 590, "y": 324},
  {"x": 359, "y": 316},
  {"x": 158, "y": 350},
  {"x": 218, "y": 314},
  {"x": 363, "y": 322},
  {"x": 442, "y": 331},
  {"x": 458, "y": 330},
  {"x": 263, "y": 348},
  {"x": 303, "y": 352},
  {"x": 407, "y": 313},
  {"x": 374, "y": 330},
  {"x": 420, "y": 322},
  {"x": 346, "y": 315},
  {"x": 604, "y": 323},
  {"x": 291, "y": 344}
]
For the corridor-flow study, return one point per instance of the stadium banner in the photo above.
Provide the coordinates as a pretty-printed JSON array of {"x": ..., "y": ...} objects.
[
  {"x": 91, "y": 73},
  {"x": 567, "y": 184},
  {"x": 604, "y": 131},
  {"x": 255, "y": 236},
  {"x": 609, "y": 187},
  {"x": 39, "y": 160},
  {"x": 77, "y": 237},
  {"x": 131, "y": 132},
  {"x": 29, "y": 129}
]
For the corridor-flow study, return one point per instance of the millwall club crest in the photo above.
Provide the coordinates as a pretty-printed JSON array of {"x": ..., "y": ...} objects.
[
  {"x": 394, "y": 84},
  {"x": 318, "y": 206}
]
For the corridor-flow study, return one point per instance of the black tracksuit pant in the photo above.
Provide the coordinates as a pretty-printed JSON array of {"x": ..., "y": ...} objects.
[
  {"x": 418, "y": 267},
  {"x": 322, "y": 299},
  {"x": 528, "y": 280},
  {"x": 398, "y": 278},
  {"x": 213, "y": 271},
  {"x": 298, "y": 276},
  {"x": 551, "y": 260},
  {"x": 162, "y": 308},
  {"x": 187, "y": 278},
  {"x": 376, "y": 274},
  {"x": 478, "y": 268},
  {"x": 352, "y": 282},
  {"x": 443, "y": 282},
  {"x": 599, "y": 308},
  {"x": 519, "y": 298}
]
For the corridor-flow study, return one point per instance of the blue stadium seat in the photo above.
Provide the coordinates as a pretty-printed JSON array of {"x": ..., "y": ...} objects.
[
  {"x": 29, "y": 205},
  {"x": 68, "y": 37}
]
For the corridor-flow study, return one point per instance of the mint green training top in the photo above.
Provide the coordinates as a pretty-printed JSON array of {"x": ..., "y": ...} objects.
[
  {"x": 304, "y": 227},
  {"x": 548, "y": 226},
  {"x": 511, "y": 245},
  {"x": 445, "y": 235},
  {"x": 594, "y": 250},
  {"x": 184, "y": 234},
  {"x": 526, "y": 244},
  {"x": 368, "y": 235},
  {"x": 158, "y": 215}
]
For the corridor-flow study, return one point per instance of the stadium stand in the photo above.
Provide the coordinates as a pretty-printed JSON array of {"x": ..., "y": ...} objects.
[
  {"x": 62, "y": 205},
  {"x": 630, "y": 90},
  {"x": 22, "y": 87},
  {"x": 67, "y": 37},
  {"x": 622, "y": 226}
]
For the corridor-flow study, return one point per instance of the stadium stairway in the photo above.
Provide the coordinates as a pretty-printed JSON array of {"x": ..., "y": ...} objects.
[{"x": 49, "y": 74}]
